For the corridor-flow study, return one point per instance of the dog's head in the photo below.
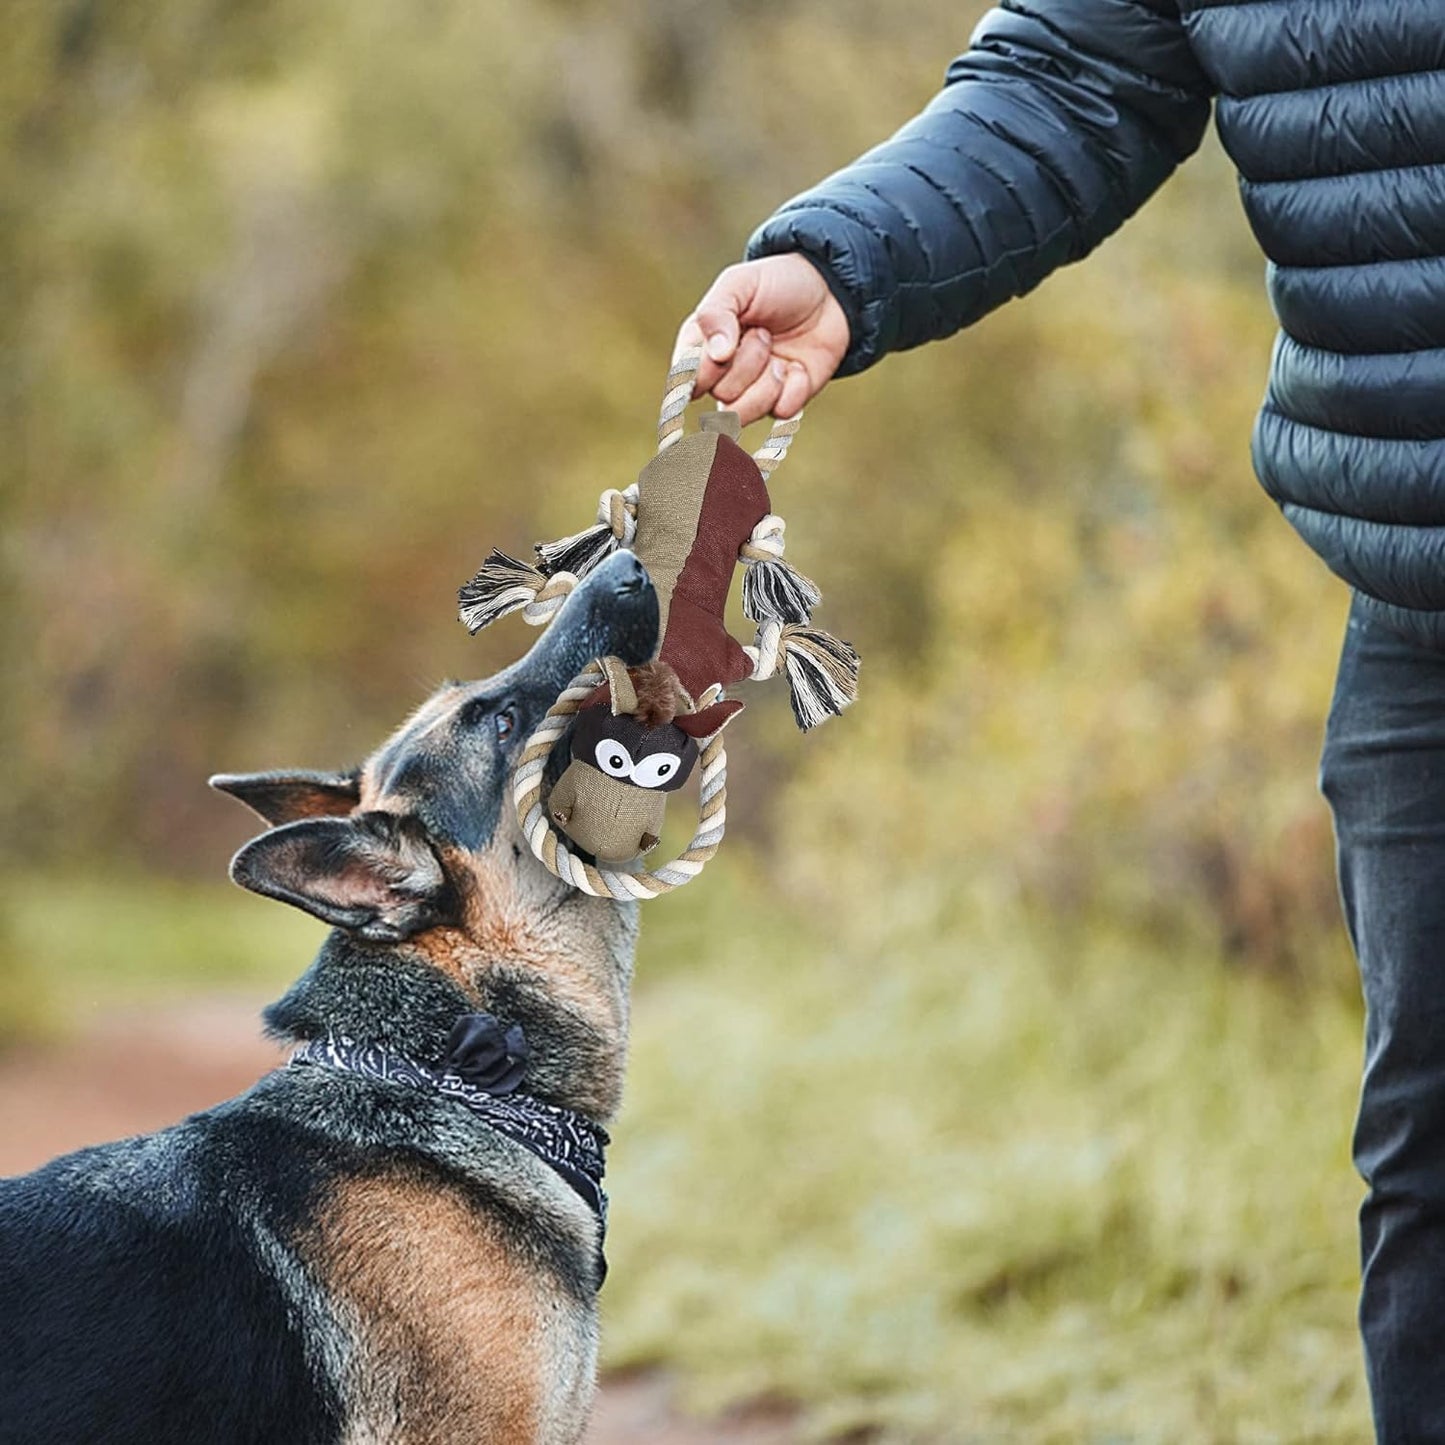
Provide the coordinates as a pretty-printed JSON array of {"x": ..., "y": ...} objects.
[{"x": 417, "y": 852}]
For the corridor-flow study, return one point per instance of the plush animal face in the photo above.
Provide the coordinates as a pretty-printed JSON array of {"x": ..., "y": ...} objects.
[
  {"x": 627, "y": 750},
  {"x": 630, "y": 746}
]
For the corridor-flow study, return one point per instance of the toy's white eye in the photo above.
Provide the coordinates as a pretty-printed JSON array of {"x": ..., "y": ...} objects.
[
  {"x": 656, "y": 769},
  {"x": 614, "y": 759}
]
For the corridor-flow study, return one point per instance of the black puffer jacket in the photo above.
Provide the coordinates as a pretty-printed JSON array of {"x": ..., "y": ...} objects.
[{"x": 1064, "y": 116}]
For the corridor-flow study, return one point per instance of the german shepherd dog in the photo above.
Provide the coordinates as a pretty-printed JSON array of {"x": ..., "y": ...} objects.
[{"x": 340, "y": 1257}]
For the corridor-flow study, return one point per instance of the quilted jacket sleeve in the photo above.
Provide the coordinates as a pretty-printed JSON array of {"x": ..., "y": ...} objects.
[{"x": 1057, "y": 123}]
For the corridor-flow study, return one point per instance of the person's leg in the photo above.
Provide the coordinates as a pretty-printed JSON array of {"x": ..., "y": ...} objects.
[{"x": 1383, "y": 773}]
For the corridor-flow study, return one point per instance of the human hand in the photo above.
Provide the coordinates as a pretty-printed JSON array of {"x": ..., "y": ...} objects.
[{"x": 772, "y": 335}]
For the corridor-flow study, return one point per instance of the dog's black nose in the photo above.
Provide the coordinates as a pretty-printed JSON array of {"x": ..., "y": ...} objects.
[{"x": 631, "y": 575}]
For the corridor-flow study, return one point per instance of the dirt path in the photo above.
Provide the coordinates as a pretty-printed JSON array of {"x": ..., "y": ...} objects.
[{"x": 141, "y": 1071}]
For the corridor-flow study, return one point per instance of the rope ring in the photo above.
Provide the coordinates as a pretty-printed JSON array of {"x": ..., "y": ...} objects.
[
  {"x": 553, "y": 851},
  {"x": 676, "y": 394}
]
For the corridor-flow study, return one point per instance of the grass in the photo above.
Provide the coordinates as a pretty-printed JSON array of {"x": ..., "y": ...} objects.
[
  {"x": 958, "y": 1179},
  {"x": 934, "y": 1172},
  {"x": 78, "y": 946}
]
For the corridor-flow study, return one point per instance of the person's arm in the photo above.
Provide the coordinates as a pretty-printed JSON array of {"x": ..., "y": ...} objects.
[{"x": 1059, "y": 121}]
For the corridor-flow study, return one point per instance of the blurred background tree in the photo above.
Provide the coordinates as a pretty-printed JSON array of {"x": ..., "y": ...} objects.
[{"x": 306, "y": 306}]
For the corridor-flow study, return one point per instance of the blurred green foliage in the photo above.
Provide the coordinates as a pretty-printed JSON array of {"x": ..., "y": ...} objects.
[
  {"x": 964, "y": 1177},
  {"x": 100, "y": 942},
  {"x": 309, "y": 305},
  {"x": 1001, "y": 1074}
]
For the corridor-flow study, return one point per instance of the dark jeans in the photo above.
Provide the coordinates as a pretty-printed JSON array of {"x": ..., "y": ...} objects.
[{"x": 1384, "y": 775}]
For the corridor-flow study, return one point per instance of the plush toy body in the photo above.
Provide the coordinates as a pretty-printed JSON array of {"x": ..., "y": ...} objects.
[
  {"x": 698, "y": 504},
  {"x": 698, "y": 509},
  {"x": 608, "y": 817}
]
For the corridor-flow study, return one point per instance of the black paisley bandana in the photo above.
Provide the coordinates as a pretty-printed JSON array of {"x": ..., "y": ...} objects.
[{"x": 568, "y": 1142}]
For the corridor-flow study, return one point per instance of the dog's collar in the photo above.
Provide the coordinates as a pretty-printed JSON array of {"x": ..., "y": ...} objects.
[{"x": 567, "y": 1142}]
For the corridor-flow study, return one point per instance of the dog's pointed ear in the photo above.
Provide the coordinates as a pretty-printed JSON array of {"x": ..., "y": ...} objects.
[
  {"x": 375, "y": 874},
  {"x": 286, "y": 797}
]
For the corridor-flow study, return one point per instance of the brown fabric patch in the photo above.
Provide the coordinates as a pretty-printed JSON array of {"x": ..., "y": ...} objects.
[
  {"x": 712, "y": 719},
  {"x": 700, "y": 646},
  {"x": 695, "y": 639}
]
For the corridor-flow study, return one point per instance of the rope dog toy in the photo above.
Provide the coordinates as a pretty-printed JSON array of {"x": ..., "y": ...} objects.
[{"x": 699, "y": 509}]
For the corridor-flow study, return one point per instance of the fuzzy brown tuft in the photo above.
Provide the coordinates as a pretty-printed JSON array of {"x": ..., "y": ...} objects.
[{"x": 660, "y": 694}]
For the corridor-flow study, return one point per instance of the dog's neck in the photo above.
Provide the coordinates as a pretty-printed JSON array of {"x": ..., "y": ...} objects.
[{"x": 562, "y": 975}]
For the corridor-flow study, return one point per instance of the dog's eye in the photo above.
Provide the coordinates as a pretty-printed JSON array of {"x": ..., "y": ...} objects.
[
  {"x": 505, "y": 723},
  {"x": 613, "y": 759},
  {"x": 655, "y": 769}
]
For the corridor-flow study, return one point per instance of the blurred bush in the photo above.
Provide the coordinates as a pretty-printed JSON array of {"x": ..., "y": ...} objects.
[
  {"x": 977, "y": 1179},
  {"x": 306, "y": 306}
]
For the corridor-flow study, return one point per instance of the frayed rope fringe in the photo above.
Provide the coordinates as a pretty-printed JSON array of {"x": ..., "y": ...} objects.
[
  {"x": 504, "y": 583},
  {"x": 822, "y": 671}
]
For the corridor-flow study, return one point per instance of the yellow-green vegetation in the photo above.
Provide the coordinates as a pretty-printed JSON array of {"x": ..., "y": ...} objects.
[
  {"x": 97, "y": 942},
  {"x": 925, "y": 1166},
  {"x": 948, "y": 1175},
  {"x": 996, "y": 1084}
]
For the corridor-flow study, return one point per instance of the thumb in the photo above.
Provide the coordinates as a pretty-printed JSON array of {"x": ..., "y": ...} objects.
[{"x": 718, "y": 312}]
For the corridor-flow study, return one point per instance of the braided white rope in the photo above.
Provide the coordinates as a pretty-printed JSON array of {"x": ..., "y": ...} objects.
[
  {"x": 676, "y": 394},
  {"x": 766, "y": 542},
  {"x": 618, "y": 510},
  {"x": 548, "y": 599},
  {"x": 769, "y": 456},
  {"x": 767, "y": 652},
  {"x": 555, "y": 855}
]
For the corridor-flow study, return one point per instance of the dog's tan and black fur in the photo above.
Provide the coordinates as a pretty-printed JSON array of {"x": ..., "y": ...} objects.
[{"x": 329, "y": 1259}]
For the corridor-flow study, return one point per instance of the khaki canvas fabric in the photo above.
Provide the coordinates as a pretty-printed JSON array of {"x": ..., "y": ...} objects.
[
  {"x": 611, "y": 818},
  {"x": 670, "y": 495}
]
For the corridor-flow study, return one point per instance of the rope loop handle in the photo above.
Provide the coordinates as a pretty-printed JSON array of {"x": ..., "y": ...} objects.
[
  {"x": 553, "y": 851},
  {"x": 681, "y": 378}
]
